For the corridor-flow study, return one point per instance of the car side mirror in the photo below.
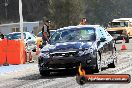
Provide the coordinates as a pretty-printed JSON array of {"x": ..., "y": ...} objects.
[
  {"x": 102, "y": 39},
  {"x": 28, "y": 38}
]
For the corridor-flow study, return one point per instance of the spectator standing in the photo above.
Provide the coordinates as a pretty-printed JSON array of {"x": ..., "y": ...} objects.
[
  {"x": 45, "y": 32},
  {"x": 83, "y": 21}
]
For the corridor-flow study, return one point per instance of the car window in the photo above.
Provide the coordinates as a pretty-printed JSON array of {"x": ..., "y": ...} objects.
[
  {"x": 73, "y": 34},
  {"x": 16, "y": 36},
  {"x": 100, "y": 33},
  {"x": 64, "y": 33},
  {"x": 56, "y": 36},
  {"x": 107, "y": 33},
  {"x": 51, "y": 32},
  {"x": 103, "y": 33},
  {"x": 85, "y": 33}
]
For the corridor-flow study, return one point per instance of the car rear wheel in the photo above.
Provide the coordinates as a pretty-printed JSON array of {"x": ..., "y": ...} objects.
[
  {"x": 44, "y": 73},
  {"x": 98, "y": 67},
  {"x": 113, "y": 64},
  {"x": 114, "y": 57}
]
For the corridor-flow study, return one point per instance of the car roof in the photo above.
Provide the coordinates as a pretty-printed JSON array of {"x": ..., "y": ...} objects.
[
  {"x": 51, "y": 30},
  {"x": 122, "y": 20},
  {"x": 18, "y": 32},
  {"x": 80, "y": 26}
]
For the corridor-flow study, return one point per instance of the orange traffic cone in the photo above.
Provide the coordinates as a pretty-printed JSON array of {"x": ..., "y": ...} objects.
[
  {"x": 37, "y": 50},
  {"x": 123, "y": 47}
]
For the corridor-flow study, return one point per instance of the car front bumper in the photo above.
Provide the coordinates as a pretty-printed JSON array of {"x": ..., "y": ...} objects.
[
  {"x": 120, "y": 37},
  {"x": 60, "y": 63}
]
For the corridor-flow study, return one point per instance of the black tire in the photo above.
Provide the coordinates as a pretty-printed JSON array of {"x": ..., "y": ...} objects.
[
  {"x": 98, "y": 67},
  {"x": 44, "y": 73},
  {"x": 127, "y": 39},
  {"x": 113, "y": 64}
]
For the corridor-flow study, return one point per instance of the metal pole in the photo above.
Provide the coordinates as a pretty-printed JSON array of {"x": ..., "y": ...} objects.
[
  {"x": 6, "y": 4},
  {"x": 21, "y": 19}
]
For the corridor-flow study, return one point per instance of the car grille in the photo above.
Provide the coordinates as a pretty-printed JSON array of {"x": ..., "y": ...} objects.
[
  {"x": 66, "y": 65},
  {"x": 64, "y": 54}
]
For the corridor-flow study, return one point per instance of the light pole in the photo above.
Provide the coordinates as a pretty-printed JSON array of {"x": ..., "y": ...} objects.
[
  {"x": 21, "y": 19},
  {"x": 6, "y": 4}
]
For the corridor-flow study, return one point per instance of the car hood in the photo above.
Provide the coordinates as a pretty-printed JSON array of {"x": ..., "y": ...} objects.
[{"x": 69, "y": 46}]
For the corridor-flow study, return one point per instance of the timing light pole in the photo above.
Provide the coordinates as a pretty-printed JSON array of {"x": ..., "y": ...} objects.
[
  {"x": 21, "y": 19},
  {"x": 6, "y": 4}
]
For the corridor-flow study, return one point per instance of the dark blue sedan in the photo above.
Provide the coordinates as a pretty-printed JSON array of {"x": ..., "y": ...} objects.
[{"x": 89, "y": 45}]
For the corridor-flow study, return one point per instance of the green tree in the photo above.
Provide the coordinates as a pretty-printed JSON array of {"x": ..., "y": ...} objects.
[{"x": 66, "y": 12}]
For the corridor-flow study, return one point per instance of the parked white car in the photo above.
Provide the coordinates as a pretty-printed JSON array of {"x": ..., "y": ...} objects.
[{"x": 29, "y": 39}]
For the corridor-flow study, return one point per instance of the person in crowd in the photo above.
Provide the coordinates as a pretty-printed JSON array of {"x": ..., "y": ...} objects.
[
  {"x": 45, "y": 32},
  {"x": 83, "y": 21}
]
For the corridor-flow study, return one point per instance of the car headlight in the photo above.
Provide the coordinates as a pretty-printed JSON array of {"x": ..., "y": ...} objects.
[{"x": 85, "y": 51}]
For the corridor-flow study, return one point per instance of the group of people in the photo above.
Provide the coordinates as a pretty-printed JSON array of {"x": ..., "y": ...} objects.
[{"x": 46, "y": 32}]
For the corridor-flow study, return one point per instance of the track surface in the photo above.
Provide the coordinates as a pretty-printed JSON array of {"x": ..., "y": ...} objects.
[{"x": 28, "y": 76}]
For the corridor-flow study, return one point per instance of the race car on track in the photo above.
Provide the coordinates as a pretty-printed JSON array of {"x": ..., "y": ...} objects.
[{"x": 89, "y": 45}]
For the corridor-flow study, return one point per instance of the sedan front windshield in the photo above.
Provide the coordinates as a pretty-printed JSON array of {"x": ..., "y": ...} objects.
[
  {"x": 72, "y": 35},
  {"x": 119, "y": 24}
]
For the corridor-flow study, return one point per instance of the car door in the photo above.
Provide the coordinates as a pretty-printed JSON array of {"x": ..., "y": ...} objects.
[
  {"x": 102, "y": 46},
  {"x": 111, "y": 43},
  {"x": 108, "y": 45},
  {"x": 111, "y": 47}
]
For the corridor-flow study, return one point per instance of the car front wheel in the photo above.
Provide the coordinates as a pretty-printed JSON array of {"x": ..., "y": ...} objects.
[{"x": 44, "y": 73}]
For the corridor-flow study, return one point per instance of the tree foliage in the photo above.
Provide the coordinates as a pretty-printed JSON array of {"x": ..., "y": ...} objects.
[{"x": 66, "y": 12}]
